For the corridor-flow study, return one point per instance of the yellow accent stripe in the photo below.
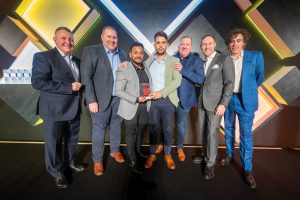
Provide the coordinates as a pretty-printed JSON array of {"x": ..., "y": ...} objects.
[
  {"x": 39, "y": 121},
  {"x": 254, "y": 6},
  {"x": 275, "y": 94}
]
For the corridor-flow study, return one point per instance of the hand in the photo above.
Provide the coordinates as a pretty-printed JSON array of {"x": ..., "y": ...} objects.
[
  {"x": 156, "y": 95},
  {"x": 142, "y": 99},
  {"x": 93, "y": 107},
  {"x": 178, "y": 66},
  {"x": 220, "y": 110},
  {"x": 124, "y": 64},
  {"x": 76, "y": 86}
]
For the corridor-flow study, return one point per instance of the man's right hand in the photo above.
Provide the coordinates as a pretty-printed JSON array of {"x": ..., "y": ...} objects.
[
  {"x": 142, "y": 99},
  {"x": 93, "y": 107},
  {"x": 76, "y": 86}
]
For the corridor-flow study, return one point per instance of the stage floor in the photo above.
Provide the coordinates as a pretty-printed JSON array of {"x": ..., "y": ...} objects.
[{"x": 23, "y": 176}]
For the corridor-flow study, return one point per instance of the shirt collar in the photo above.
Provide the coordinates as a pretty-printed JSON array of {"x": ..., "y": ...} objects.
[
  {"x": 164, "y": 59},
  {"x": 211, "y": 56},
  {"x": 62, "y": 53},
  {"x": 142, "y": 66},
  {"x": 109, "y": 51},
  {"x": 241, "y": 56}
]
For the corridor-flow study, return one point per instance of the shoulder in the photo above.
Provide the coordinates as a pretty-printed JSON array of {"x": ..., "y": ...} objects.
[
  {"x": 172, "y": 59},
  {"x": 252, "y": 53},
  {"x": 94, "y": 48}
]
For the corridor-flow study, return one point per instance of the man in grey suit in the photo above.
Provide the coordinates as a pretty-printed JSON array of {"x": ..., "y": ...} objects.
[
  {"x": 213, "y": 100},
  {"x": 99, "y": 65},
  {"x": 133, "y": 87}
]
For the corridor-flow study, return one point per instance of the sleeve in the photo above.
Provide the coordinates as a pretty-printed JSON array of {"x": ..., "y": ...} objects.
[
  {"x": 121, "y": 84},
  {"x": 228, "y": 81},
  {"x": 42, "y": 77},
  {"x": 87, "y": 75},
  {"x": 197, "y": 74},
  {"x": 259, "y": 70}
]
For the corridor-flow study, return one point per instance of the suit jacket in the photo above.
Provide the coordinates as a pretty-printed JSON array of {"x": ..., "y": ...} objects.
[
  {"x": 52, "y": 76},
  {"x": 252, "y": 78},
  {"x": 218, "y": 85},
  {"x": 172, "y": 78},
  {"x": 127, "y": 87},
  {"x": 97, "y": 75},
  {"x": 192, "y": 73}
]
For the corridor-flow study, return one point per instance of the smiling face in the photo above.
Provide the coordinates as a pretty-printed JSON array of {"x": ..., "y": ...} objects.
[
  {"x": 137, "y": 55},
  {"x": 208, "y": 46},
  {"x": 109, "y": 39},
  {"x": 236, "y": 45},
  {"x": 185, "y": 47},
  {"x": 64, "y": 41},
  {"x": 161, "y": 45}
]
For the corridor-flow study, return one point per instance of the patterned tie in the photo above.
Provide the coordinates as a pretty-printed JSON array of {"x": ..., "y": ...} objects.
[{"x": 73, "y": 68}]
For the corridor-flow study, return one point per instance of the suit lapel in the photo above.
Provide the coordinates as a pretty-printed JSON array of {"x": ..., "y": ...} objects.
[
  {"x": 213, "y": 62},
  {"x": 63, "y": 63},
  {"x": 246, "y": 61}
]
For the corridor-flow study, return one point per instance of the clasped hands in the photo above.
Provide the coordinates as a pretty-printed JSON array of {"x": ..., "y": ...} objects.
[{"x": 153, "y": 95}]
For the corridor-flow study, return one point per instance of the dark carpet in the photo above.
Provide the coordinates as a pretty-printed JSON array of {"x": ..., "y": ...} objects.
[{"x": 23, "y": 176}]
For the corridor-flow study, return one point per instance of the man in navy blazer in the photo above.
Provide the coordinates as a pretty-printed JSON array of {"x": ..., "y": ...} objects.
[
  {"x": 55, "y": 74},
  {"x": 249, "y": 75},
  {"x": 191, "y": 69}
]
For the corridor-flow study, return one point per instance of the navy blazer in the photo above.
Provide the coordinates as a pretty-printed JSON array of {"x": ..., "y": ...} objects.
[
  {"x": 52, "y": 76},
  {"x": 192, "y": 73},
  {"x": 252, "y": 78}
]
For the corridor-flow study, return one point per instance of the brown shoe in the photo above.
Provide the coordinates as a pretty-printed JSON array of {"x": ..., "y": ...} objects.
[
  {"x": 159, "y": 149},
  {"x": 149, "y": 162},
  {"x": 181, "y": 155},
  {"x": 170, "y": 162},
  {"x": 118, "y": 157},
  {"x": 98, "y": 168}
]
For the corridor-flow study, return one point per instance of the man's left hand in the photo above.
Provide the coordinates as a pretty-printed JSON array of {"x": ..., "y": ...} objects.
[
  {"x": 124, "y": 64},
  {"x": 178, "y": 66},
  {"x": 220, "y": 110}
]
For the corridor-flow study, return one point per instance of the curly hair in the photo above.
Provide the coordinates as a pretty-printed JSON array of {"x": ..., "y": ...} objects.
[{"x": 234, "y": 32}]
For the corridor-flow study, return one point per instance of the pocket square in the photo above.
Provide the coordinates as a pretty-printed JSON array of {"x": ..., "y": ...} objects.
[{"x": 215, "y": 66}]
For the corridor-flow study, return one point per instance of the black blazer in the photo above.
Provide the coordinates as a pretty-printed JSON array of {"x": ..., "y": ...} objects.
[{"x": 53, "y": 78}]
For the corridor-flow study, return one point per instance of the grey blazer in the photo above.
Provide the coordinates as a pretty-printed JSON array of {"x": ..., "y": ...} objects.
[
  {"x": 127, "y": 87},
  {"x": 218, "y": 85},
  {"x": 96, "y": 75}
]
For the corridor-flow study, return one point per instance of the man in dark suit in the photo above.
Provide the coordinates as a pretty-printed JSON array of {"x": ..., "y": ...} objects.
[
  {"x": 55, "y": 74},
  {"x": 249, "y": 75},
  {"x": 191, "y": 69},
  {"x": 98, "y": 73},
  {"x": 214, "y": 98}
]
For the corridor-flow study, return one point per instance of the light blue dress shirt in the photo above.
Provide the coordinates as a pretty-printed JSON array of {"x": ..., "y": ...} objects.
[
  {"x": 157, "y": 72},
  {"x": 114, "y": 60}
]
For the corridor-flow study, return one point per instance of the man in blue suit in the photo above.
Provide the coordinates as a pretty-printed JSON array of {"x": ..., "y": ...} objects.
[
  {"x": 191, "y": 69},
  {"x": 249, "y": 75}
]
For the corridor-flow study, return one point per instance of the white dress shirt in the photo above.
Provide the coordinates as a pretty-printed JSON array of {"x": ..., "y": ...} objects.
[
  {"x": 238, "y": 66},
  {"x": 208, "y": 61}
]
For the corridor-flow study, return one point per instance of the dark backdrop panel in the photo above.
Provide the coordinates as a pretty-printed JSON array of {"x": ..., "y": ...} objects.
[{"x": 212, "y": 16}]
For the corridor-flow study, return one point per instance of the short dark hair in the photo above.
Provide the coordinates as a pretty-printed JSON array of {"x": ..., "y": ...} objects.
[
  {"x": 63, "y": 28},
  {"x": 208, "y": 35},
  {"x": 136, "y": 44},
  {"x": 108, "y": 27},
  {"x": 160, "y": 34},
  {"x": 234, "y": 32}
]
